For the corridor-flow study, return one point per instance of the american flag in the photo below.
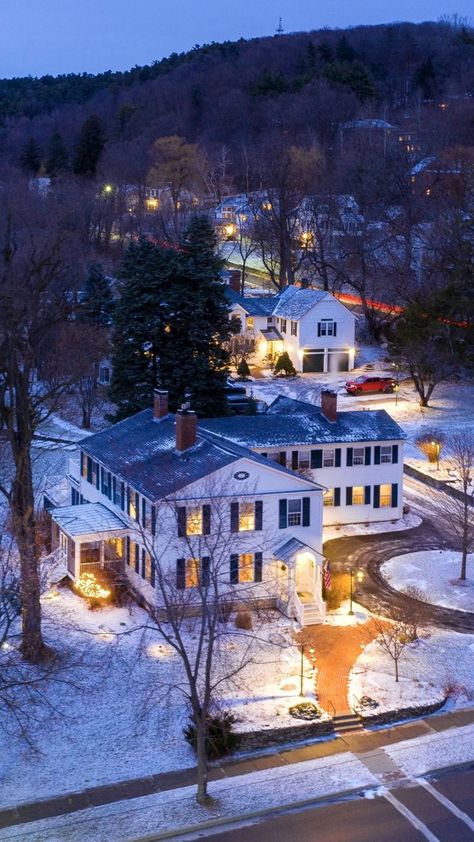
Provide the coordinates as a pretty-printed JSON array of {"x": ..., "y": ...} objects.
[{"x": 326, "y": 575}]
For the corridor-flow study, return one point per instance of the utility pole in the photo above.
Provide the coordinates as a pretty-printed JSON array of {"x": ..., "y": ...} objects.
[{"x": 279, "y": 29}]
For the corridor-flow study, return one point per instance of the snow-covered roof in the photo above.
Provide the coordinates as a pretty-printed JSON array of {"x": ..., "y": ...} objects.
[
  {"x": 87, "y": 519},
  {"x": 294, "y": 302},
  {"x": 254, "y": 306},
  {"x": 368, "y": 124},
  {"x": 290, "y": 548},
  {"x": 423, "y": 165},
  {"x": 289, "y": 422}
]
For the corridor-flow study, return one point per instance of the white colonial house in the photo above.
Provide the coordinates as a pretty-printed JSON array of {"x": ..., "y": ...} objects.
[
  {"x": 357, "y": 456},
  {"x": 159, "y": 489},
  {"x": 316, "y": 330}
]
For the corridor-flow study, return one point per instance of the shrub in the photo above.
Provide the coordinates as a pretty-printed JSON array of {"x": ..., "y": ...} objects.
[
  {"x": 243, "y": 370},
  {"x": 243, "y": 620},
  {"x": 431, "y": 443},
  {"x": 305, "y": 710},
  {"x": 221, "y": 739},
  {"x": 284, "y": 365}
]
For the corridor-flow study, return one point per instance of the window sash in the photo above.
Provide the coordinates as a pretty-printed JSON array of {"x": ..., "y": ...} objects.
[
  {"x": 246, "y": 517},
  {"x": 192, "y": 572},
  {"x": 194, "y": 521},
  {"x": 358, "y": 495},
  {"x": 358, "y": 456},
  {"x": 294, "y": 512},
  {"x": 328, "y": 497},
  {"x": 386, "y": 454},
  {"x": 329, "y": 458},
  {"x": 385, "y": 500},
  {"x": 246, "y": 568}
]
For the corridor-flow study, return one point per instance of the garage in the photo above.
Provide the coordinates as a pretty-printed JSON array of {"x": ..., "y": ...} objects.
[
  {"x": 338, "y": 361},
  {"x": 313, "y": 360}
]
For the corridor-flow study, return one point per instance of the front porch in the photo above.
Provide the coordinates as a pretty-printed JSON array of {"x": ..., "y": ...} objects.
[
  {"x": 304, "y": 564},
  {"x": 91, "y": 537}
]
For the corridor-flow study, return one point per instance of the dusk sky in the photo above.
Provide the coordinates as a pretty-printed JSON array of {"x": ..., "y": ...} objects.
[{"x": 60, "y": 36}]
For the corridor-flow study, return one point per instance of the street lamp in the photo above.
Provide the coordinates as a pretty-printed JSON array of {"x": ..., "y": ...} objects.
[
  {"x": 312, "y": 655},
  {"x": 353, "y": 571},
  {"x": 396, "y": 389},
  {"x": 437, "y": 449}
]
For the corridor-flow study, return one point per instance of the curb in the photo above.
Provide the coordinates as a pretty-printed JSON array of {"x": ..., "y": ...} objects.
[{"x": 255, "y": 814}]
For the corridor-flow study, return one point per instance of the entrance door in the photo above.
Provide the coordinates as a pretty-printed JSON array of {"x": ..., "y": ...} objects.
[
  {"x": 313, "y": 361},
  {"x": 304, "y": 576}
]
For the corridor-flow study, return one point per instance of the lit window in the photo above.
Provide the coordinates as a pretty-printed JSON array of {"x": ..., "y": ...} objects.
[
  {"x": 194, "y": 521},
  {"x": 328, "y": 458},
  {"x": 250, "y": 323},
  {"x": 328, "y": 497},
  {"x": 294, "y": 512},
  {"x": 358, "y": 495},
  {"x": 246, "y": 517},
  {"x": 132, "y": 508},
  {"x": 148, "y": 567},
  {"x": 246, "y": 568},
  {"x": 84, "y": 466},
  {"x": 192, "y": 572},
  {"x": 385, "y": 495},
  {"x": 358, "y": 456},
  {"x": 386, "y": 454}
]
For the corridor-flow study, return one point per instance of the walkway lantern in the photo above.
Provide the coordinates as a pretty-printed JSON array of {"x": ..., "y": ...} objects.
[{"x": 358, "y": 574}]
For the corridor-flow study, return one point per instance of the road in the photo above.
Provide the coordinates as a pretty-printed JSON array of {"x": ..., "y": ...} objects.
[
  {"x": 368, "y": 552},
  {"x": 405, "y": 814}
]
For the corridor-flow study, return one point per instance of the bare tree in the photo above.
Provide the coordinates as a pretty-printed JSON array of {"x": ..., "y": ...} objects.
[
  {"x": 240, "y": 347},
  {"x": 217, "y": 573},
  {"x": 458, "y": 510},
  {"x": 393, "y": 636},
  {"x": 38, "y": 264}
]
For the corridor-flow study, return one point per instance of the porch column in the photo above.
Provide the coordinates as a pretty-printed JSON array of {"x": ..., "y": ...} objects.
[
  {"x": 77, "y": 559},
  {"x": 102, "y": 555}
]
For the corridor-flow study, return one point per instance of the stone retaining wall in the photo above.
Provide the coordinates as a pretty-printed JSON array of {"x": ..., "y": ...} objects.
[
  {"x": 403, "y": 713},
  {"x": 437, "y": 483},
  {"x": 253, "y": 740}
]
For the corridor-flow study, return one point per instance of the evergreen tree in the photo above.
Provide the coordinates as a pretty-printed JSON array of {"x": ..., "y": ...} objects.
[
  {"x": 89, "y": 147},
  {"x": 30, "y": 158},
  {"x": 97, "y": 300},
  {"x": 56, "y": 158}
]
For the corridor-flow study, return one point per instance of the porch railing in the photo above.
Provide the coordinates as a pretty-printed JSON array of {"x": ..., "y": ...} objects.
[{"x": 117, "y": 566}]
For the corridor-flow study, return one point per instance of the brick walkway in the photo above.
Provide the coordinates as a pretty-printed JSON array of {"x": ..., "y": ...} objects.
[{"x": 336, "y": 650}]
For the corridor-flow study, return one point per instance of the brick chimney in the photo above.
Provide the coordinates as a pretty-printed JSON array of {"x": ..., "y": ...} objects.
[
  {"x": 160, "y": 404},
  {"x": 186, "y": 427},
  {"x": 235, "y": 279},
  {"x": 329, "y": 405}
]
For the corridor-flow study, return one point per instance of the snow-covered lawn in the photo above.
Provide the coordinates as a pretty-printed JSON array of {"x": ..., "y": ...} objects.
[
  {"x": 123, "y": 717},
  {"x": 436, "y": 574},
  {"x": 434, "y": 751},
  {"x": 177, "y": 809},
  {"x": 438, "y": 664}
]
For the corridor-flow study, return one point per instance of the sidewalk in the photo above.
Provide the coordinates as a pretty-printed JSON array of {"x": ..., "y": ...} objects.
[{"x": 360, "y": 742}]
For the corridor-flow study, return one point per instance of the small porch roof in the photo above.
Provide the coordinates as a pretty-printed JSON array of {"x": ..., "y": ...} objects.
[
  {"x": 271, "y": 334},
  {"x": 291, "y": 548},
  {"x": 87, "y": 519}
]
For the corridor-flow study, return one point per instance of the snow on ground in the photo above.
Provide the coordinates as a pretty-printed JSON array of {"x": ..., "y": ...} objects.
[
  {"x": 438, "y": 664},
  {"x": 409, "y": 521},
  {"x": 434, "y": 751},
  {"x": 178, "y": 808},
  {"x": 341, "y": 617},
  {"x": 436, "y": 574},
  {"x": 125, "y": 718}
]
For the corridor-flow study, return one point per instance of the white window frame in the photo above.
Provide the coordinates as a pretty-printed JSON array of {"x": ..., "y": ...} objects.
[
  {"x": 328, "y": 497},
  {"x": 385, "y": 497},
  {"x": 386, "y": 454},
  {"x": 293, "y": 328},
  {"x": 360, "y": 458},
  {"x": 358, "y": 491},
  {"x": 326, "y": 327},
  {"x": 304, "y": 459},
  {"x": 295, "y": 517},
  {"x": 329, "y": 457}
]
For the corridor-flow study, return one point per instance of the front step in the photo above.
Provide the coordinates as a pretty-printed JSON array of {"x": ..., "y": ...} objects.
[
  {"x": 346, "y": 722},
  {"x": 311, "y": 614}
]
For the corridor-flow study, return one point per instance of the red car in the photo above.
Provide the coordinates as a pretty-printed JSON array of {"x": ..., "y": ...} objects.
[{"x": 369, "y": 384}]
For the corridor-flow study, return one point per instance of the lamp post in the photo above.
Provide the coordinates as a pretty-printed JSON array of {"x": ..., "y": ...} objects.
[
  {"x": 396, "y": 389},
  {"x": 353, "y": 571},
  {"x": 437, "y": 449},
  {"x": 302, "y": 672}
]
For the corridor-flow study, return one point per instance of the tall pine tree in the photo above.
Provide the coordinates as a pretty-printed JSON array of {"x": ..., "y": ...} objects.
[
  {"x": 89, "y": 148},
  {"x": 97, "y": 299},
  {"x": 170, "y": 323},
  {"x": 56, "y": 156},
  {"x": 30, "y": 158}
]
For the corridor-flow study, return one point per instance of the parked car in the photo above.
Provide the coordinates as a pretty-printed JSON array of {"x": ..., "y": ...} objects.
[{"x": 368, "y": 384}]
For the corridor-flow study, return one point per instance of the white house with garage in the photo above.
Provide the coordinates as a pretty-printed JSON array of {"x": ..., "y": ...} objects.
[
  {"x": 316, "y": 330},
  {"x": 357, "y": 456},
  {"x": 160, "y": 492}
]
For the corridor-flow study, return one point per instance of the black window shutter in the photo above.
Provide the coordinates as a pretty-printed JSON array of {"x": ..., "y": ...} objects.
[
  {"x": 258, "y": 515},
  {"x": 234, "y": 569},
  {"x": 137, "y": 558},
  {"x": 334, "y": 328},
  {"x": 143, "y": 563},
  {"x": 122, "y": 496},
  {"x": 180, "y": 574},
  {"x": 376, "y": 496},
  {"x": 89, "y": 469},
  {"x": 102, "y": 478},
  {"x": 181, "y": 521},
  {"x": 316, "y": 458},
  {"x": 306, "y": 511},
  {"x": 206, "y": 519},
  {"x": 377, "y": 455},
  {"x": 137, "y": 506},
  {"x": 394, "y": 495},
  {"x": 143, "y": 512},
  {"x": 82, "y": 464},
  {"x": 127, "y": 550},
  {"x": 319, "y": 328},
  {"x": 337, "y": 496},
  {"x": 283, "y": 514},
  {"x": 367, "y": 495},
  {"x": 367, "y": 455},
  {"x": 282, "y": 458},
  {"x": 337, "y": 457},
  {"x": 205, "y": 571},
  {"x": 258, "y": 563},
  {"x": 234, "y": 517},
  {"x": 294, "y": 460},
  {"x": 97, "y": 476},
  {"x": 264, "y": 454},
  {"x": 349, "y": 495},
  {"x": 349, "y": 457},
  {"x": 152, "y": 576},
  {"x": 394, "y": 453},
  {"x": 153, "y": 520}
]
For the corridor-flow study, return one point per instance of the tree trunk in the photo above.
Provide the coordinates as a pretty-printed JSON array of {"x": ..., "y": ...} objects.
[
  {"x": 202, "y": 763},
  {"x": 396, "y": 669},
  {"x": 463, "y": 564}
]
